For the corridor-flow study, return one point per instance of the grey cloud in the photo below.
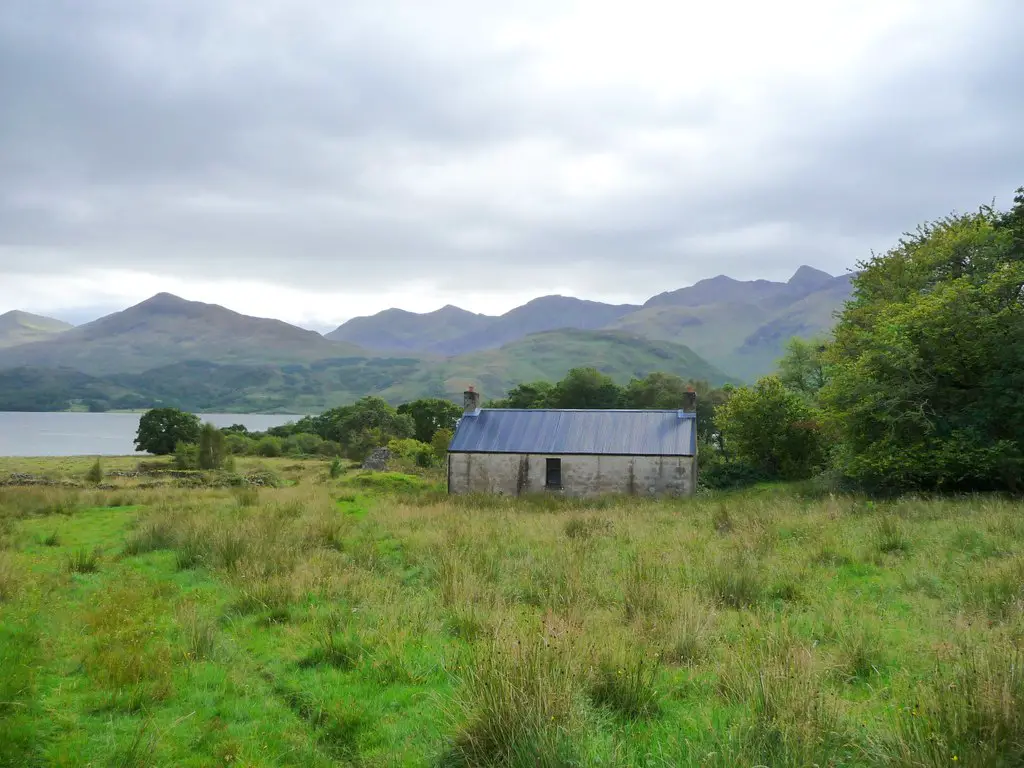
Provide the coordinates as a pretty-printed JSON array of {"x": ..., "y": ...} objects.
[{"x": 209, "y": 138}]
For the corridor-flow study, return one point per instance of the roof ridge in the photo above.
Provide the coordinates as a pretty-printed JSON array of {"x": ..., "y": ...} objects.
[{"x": 584, "y": 410}]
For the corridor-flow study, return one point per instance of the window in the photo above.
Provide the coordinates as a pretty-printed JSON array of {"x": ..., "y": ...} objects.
[{"x": 554, "y": 473}]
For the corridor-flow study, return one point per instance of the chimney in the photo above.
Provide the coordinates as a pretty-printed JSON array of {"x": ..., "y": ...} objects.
[
  {"x": 471, "y": 401},
  {"x": 689, "y": 401}
]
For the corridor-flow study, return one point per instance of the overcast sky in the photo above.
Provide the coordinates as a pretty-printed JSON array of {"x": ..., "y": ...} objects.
[{"x": 318, "y": 159}]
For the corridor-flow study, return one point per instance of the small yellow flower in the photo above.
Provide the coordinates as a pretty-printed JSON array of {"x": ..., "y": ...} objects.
[{"x": 955, "y": 758}]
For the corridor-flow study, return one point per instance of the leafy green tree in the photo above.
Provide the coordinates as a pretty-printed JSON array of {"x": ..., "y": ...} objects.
[
  {"x": 212, "y": 448},
  {"x": 360, "y": 421},
  {"x": 666, "y": 390},
  {"x": 429, "y": 415},
  {"x": 656, "y": 390},
  {"x": 585, "y": 388},
  {"x": 533, "y": 394},
  {"x": 442, "y": 439},
  {"x": 161, "y": 429},
  {"x": 927, "y": 386},
  {"x": 773, "y": 430},
  {"x": 803, "y": 368}
]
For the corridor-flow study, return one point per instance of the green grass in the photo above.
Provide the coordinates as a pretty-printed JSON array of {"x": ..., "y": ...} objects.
[{"x": 370, "y": 620}]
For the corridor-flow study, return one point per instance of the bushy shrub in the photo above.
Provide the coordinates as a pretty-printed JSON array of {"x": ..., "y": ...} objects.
[
  {"x": 269, "y": 447},
  {"x": 186, "y": 456},
  {"x": 413, "y": 450},
  {"x": 302, "y": 444},
  {"x": 238, "y": 444},
  {"x": 718, "y": 472},
  {"x": 773, "y": 430},
  {"x": 95, "y": 473}
]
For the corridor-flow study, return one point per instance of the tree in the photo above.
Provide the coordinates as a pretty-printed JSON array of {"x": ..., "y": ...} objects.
[
  {"x": 927, "y": 386},
  {"x": 666, "y": 390},
  {"x": 161, "y": 429},
  {"x": 212, "y": 447},
  {"x": 772, "y": 429},
  {"x": 354, "y": 423},
  {"x": 429, "y": 415},
  {"x": 585, "y": 388},
  {"x": 442, "y": 439},
  {"x": 528, "y": 395},
  {"x": 656, "y": 390},
  {"x": 803, "y": 368}
]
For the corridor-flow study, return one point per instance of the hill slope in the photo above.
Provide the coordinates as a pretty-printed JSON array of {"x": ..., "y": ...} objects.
[
  {"x": 18, "y": 327},
  {"x": 313, "y": 387},
  {"x": 166, "y": 329},
  {"x": 396, "y": 330},
  {"x": 549, "y": 356}
]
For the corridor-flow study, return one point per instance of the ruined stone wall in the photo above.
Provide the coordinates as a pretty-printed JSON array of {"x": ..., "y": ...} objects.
[{"x": 516, "y": 474}]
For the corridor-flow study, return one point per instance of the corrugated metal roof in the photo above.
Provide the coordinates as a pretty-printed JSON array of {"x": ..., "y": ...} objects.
[{"x": 614, "y": 432}]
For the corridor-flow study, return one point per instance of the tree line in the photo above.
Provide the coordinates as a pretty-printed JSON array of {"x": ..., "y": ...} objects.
[{"x": 920, "y": 386}]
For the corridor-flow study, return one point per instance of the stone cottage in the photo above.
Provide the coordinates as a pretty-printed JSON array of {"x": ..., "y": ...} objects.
[{"x": 574, "y": 452}]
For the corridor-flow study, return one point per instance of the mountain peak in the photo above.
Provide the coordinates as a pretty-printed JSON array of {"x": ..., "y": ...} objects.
[{"x": 809, "y": 277}]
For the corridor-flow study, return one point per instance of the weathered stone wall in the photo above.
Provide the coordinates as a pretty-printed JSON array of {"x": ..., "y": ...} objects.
[{"x": 515, "y": 474}]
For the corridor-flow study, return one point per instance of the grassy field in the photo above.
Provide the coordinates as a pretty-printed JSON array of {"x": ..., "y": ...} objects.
[{"x": 372, "y": 621}]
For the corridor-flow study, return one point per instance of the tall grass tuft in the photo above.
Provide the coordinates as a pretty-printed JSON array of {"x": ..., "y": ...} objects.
[
  {"x": 153, "y": 534},
  {"x": 792, "y": 721},
  {"x": 84, "y": 560},
  {"x": 970, "y": 713},
  {"x": 199, "y": 633},
  {"x": 997, "y": 590},
  {"x": 246, "y": 496},
  {"x": 517, "y": 704},
  {"x": 890, "y": 538},
  {"x": 8, "y": 577},
  {"x": 624, "y": 681},
  {"x": 687, "y": 634},
  {"x": 643, "y": 587},
  {"x": 735, "y": 582},
  {"x": 861, "y": 652},
  {"x": 336, "y": 646}
]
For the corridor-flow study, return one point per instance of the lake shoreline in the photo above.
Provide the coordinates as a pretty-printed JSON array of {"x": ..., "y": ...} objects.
[{"x": 42, "y": 434}]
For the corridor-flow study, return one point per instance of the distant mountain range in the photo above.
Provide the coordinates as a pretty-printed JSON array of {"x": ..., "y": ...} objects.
[
  {"x": 739, "y": 326},
  {"x": 205, "y": 357}
]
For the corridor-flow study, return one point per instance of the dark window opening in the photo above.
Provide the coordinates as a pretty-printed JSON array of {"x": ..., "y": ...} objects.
[{"x": 554, "y": 473}]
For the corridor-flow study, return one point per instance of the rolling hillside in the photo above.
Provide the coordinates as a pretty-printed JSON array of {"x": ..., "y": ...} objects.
[
  {"x": 18, "y": 327},
  {"x": 166, "y": 329},
  {"x": 313, "y": 387}
]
